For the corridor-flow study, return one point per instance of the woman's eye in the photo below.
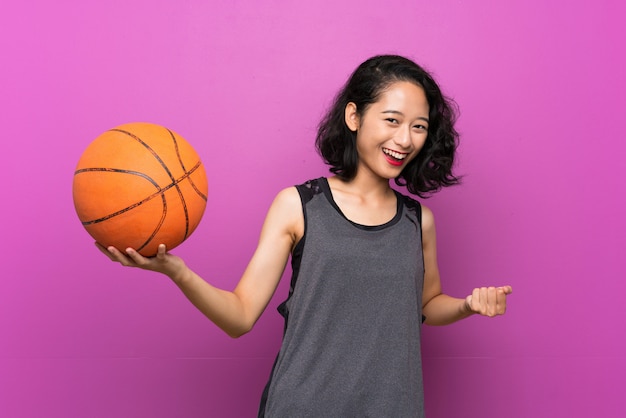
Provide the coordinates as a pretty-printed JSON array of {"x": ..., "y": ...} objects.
[
  {"x": 392, "y": 120},
  {"x": 421, "y": 127}
]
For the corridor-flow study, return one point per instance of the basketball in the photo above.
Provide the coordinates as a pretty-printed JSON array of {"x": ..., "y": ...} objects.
[{"x": 140, "y": 185}]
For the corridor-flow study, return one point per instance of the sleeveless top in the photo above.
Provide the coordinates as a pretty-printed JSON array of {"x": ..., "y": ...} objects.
[{"x": 351, "y": 344}]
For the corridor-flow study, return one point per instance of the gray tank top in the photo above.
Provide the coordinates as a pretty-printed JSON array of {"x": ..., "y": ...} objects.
[{"x": 351, "y": 345}]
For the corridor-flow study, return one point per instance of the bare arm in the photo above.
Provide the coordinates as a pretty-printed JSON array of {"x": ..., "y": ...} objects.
[
  {"x": 234, "y": 312},
  {"x": 441, "y": 309}
]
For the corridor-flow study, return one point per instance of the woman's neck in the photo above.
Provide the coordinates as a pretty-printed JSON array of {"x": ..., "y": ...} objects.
[
  {"x": 364, "y": 202},
  {"x": 367, "y": 187}
]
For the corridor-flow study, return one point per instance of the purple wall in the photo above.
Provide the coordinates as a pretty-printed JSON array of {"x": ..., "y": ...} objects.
[{"x": 541, "y": 89}]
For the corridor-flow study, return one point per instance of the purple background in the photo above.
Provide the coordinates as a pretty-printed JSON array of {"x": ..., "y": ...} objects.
[{"x": 541, "y": 87}]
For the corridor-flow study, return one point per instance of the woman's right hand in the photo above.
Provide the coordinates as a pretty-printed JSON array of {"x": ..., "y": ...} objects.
[
  {"x": 234, "y": 311},
  {"x": 162, "y": 262}
]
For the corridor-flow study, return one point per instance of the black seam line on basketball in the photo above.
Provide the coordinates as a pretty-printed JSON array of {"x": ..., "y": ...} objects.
[
  {"x": 202, "y": 195},
  {"x": 149, "y": 148},
  {"x": 165, "y": 167},
  {"x": 119, "y": 170},
  {"x": 135, "y": 173},
  {"x": 159, "y": 225},
  {"x": 180, "y": 160},
  {"x": 182, "y": 165},
  {"x": 160, "y": 192},
  {"x": 155, "y": 184},
  {"x": 180, "y": 193}
]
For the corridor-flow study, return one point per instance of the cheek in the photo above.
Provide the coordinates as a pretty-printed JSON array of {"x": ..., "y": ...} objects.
[
  {"x": 412, "y": 157},
  {"x": 419, "y": 146},
  {"x": 420, "y": 142},
  {"x": 360, "y": 147}
]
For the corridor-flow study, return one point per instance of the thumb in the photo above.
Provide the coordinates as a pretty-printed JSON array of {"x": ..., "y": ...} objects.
[
  {"x": 468, "y": 304},
  {"x": 506, "y": 289},
  {"x": 161, "y": 251}
]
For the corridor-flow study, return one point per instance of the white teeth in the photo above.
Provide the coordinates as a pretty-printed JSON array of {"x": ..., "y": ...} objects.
[{"x": 394, "y": 154}]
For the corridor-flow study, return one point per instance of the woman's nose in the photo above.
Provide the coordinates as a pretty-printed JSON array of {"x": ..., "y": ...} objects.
[{"x": 403, "y": 137}]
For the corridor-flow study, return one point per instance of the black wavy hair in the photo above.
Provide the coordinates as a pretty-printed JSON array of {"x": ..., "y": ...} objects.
[{"x": 431, "y": 169}]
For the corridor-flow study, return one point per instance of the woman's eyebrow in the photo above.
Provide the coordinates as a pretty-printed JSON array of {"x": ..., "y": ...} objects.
[{"x": 397, "y": 112}]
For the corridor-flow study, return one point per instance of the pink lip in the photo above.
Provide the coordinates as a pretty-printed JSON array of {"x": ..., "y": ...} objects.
[{"x": 393, "y": 161}]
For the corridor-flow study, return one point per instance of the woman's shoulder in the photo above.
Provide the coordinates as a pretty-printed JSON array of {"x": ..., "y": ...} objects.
[
  {"x": 310, "y": 188},
  {"x": 314, "y": 185},
  {"x": 287, "y": 197},
  {"x": 428, "y": 218},
  {"x": 285, "y": 213}
]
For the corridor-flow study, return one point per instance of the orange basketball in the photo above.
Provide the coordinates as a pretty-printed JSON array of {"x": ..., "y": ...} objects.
[{"x": 140, "y": 185}]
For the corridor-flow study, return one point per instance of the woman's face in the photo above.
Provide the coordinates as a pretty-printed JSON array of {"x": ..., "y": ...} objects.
[{"x": 391, "y": 131}]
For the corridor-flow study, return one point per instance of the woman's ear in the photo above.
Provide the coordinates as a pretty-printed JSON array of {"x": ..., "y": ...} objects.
[{"x": 352, "y": 117}]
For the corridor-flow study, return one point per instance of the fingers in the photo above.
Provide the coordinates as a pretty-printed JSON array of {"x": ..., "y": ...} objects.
[
  {"x": 130, "y": 258},
  {"x": 162, "y": 261},
  {"x": 489, "y": 301},
  {"x": 105, "y": 251},
  {"x": 136, "y": 259},
  {"x": 480, "y": 301},
  {"x": 507, "y": 289},
  {"x": 501, "y": 301},
  {"x": 111, "y": 252}
]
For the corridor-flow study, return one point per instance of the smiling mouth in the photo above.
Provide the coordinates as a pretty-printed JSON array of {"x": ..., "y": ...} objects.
[{"x": 399, "y": 156}]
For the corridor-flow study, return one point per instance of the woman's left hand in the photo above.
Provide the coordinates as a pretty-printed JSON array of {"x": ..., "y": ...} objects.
[{"x": 488, "y": 301}]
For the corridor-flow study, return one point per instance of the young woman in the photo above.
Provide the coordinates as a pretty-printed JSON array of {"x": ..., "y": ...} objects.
[{"x": 364, "y": 257}]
